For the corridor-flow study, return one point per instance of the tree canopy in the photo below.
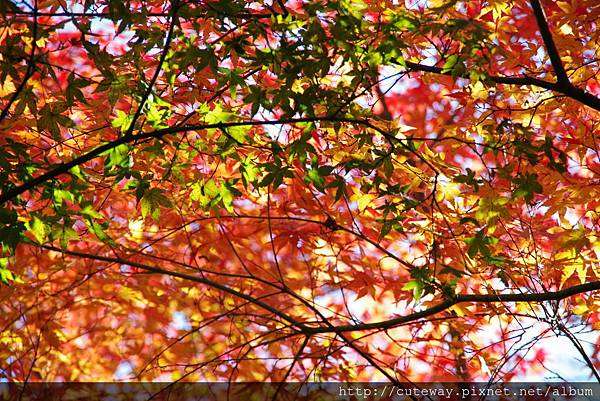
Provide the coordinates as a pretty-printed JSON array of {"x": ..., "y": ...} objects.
[{"x": 297, "y": 190}]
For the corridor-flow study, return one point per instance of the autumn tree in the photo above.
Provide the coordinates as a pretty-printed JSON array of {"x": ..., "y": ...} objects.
[{"x": 297, "y": 190}]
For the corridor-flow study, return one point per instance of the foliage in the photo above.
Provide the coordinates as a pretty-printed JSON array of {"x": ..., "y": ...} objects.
[{"x": 306, "y": 190}]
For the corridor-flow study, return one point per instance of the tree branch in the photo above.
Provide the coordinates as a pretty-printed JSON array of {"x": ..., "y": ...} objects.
[
  {"x": 577, "y": 344},
  {"x": 30, "y": 65},
  {"x": 241, "y": 15},
  {"x": 163, "y": 56},
  {"x": 467, "y": 298},
  {"x": 64, "y": 168},
  {"x": 189, "y": 277},
  {"x": 569, "y": 90},
  {"x": 381, "y": 325},
  {"x": 557, "y": 65}
]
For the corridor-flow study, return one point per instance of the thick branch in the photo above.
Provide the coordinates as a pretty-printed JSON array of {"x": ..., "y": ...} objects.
[
  {"x": 467, "y": 298},
  {"x": 382, "y": 325},
  {"x": 569, "y": 90},
  {"x": 496, "y": 79},
  {"x": 557, "y": 65},
  {"x": 64, "y": 168},
  {"x": 189, "y": 277}
]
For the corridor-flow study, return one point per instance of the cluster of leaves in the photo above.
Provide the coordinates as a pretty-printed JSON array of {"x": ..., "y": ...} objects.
[{"x": 249, "y": 190}]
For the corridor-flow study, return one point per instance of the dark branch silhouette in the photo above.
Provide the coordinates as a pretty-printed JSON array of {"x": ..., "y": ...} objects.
[
  {"x": 382, "y": 325},
  {"x": 557, "y": 65},
  {"x": 569, "y": 90},
  {"x": 30, "y": 66}
]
